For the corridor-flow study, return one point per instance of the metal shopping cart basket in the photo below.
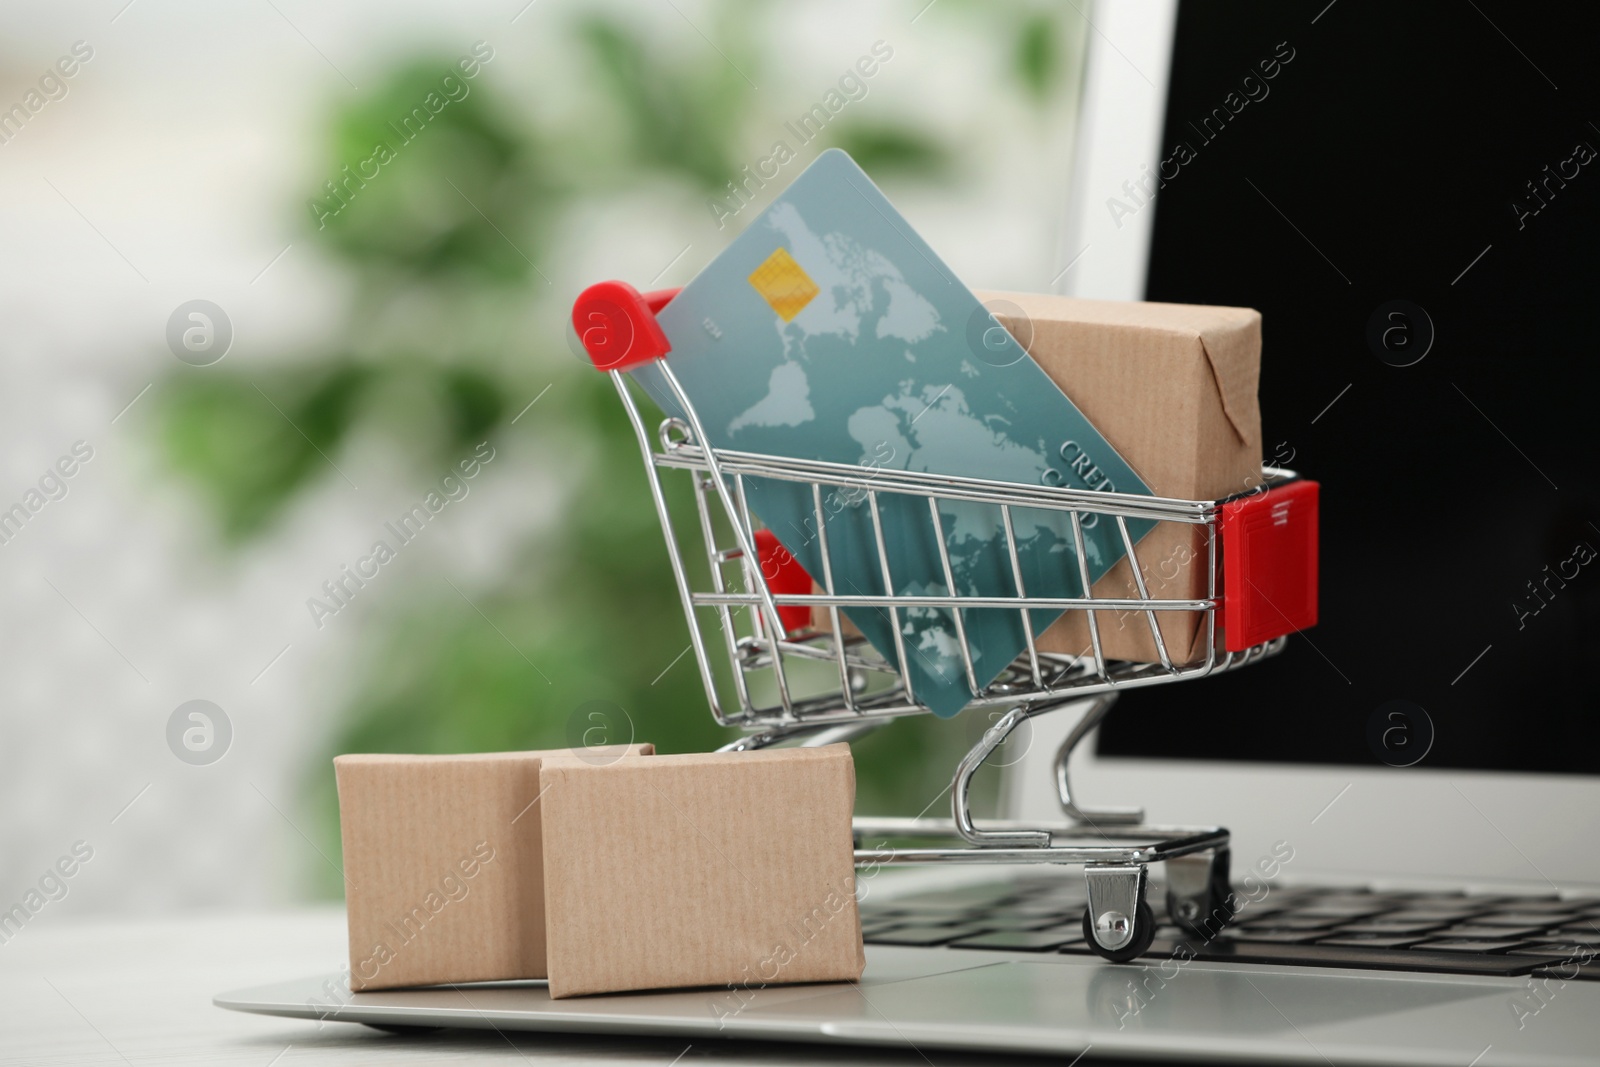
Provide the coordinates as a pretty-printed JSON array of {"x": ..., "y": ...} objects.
[{"x": 757, "y": 605}]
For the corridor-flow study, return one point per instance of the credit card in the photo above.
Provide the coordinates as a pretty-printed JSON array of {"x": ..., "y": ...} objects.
[{"x": 829, "y": 330}]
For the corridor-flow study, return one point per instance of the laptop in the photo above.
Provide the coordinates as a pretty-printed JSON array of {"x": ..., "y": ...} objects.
[{"x": 1413, "y": 787}]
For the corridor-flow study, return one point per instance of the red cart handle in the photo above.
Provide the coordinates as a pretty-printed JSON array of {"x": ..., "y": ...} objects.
[
  {"x": 617, "y": 325},
  {"x": 1269, "y": 564}
]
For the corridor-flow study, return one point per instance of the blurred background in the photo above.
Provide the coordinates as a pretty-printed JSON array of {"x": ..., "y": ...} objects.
[{"x": 387, "y": 210}]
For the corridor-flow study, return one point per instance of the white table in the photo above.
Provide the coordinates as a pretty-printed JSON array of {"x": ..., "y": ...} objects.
[{"x": 138, "y": 991}]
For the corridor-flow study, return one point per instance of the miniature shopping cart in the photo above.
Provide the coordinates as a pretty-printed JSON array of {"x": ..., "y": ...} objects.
[{"x": 755, "y": 603}]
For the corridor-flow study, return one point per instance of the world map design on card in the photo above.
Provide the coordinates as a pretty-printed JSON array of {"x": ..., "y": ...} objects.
[{"x": 828, "y": 330}]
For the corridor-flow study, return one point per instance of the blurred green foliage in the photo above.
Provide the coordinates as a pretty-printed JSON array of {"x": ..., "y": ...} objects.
[
  {"x": 1038, "y": 54},
  {"x": 586, "y": 616},
  {"x": 449, "y": 252},
  {"x": 486, "y": 165},
  {"x": 675, "y": 116}
]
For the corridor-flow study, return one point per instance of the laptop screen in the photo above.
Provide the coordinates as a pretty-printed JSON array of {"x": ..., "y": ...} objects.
[{"x": 1410, "y": 194}]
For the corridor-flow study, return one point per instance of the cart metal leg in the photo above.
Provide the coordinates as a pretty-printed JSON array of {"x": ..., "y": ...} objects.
[
  {"x": 961, "y": 790},
  {"x": 1098, "y": 706},
  {"x": 1199, "y": 896}
]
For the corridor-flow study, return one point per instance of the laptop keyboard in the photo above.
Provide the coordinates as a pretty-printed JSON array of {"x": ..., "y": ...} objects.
[{"x": 1450, "y": 933}]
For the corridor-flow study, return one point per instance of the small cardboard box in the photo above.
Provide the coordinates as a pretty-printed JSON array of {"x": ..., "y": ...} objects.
[
  {"x": 444, "y": 864},
  {"x": 1172, "y": 387},
  {"x": 727, "y": 869}
]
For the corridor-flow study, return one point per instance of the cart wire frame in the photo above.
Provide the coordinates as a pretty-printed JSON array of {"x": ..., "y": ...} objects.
[{"x": 616, "y": 327}]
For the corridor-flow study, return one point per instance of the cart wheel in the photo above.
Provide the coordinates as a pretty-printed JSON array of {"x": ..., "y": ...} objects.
[
  {"x": 1205, "y": 917},
  {"x": 1144, "y": 932}
]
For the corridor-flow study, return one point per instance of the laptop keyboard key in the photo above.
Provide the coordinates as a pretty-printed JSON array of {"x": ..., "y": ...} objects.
[
  {"x": 1278, "y": 937},
  {"x": 1542, "y": 900},
  {"x": 962, "y": 898},
  {"x": 1468, "y": 946},
  {"x": 1004, "y": 921},
  {"x": 1022, "y": 940},
  {"x": 1583, "y": 953},
  {"x": 1442, "y": 900},
  {"x": 922, "y": 935},
  {"x": 1490, "y": 933},
  {"x": 1537, "y": 920},
  {"x": 1383, "y": 928},
  {"x": 1370, "y": 940},
  {"x": 869, "y": 913},
  {"x": 1057, "y": 909},
  {"x": 1340, "y": 912},
  {"x": 930, "y": 915},
  {"x": 1441, "y": 916},
  {"x": 1340, "y": 898},
  {"x": 1288, "y": 922}
]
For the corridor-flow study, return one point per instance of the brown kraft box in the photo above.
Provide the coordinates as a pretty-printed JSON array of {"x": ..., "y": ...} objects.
[
  {"x": 444, "y": 864},
  {"x": 1172, "y": 387},
  {"x": 724, "y": 869}
]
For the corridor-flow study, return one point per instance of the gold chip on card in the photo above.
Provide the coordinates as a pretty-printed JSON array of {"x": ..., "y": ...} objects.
[{"x": 784, "y": 284}]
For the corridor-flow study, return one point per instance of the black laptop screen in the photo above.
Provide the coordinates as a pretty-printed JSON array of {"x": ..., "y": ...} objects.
[{"x": 1343, "y": 166}]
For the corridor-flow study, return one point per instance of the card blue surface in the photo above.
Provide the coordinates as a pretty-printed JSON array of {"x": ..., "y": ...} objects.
[{"x": 829, "y": 330}]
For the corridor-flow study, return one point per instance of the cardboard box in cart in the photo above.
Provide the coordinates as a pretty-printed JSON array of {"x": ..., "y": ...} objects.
[{"x": 1173, "y": 388}]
